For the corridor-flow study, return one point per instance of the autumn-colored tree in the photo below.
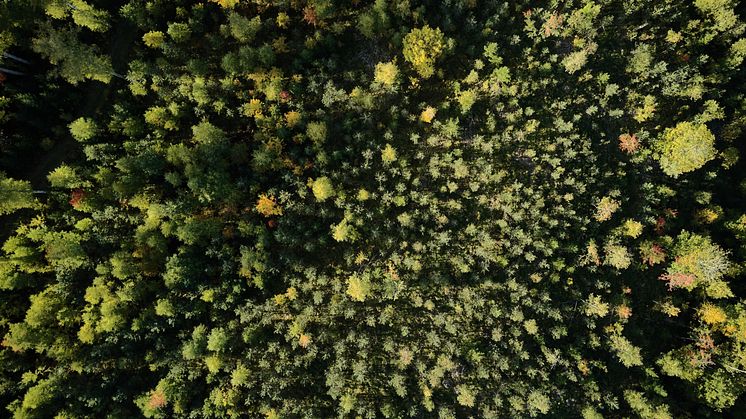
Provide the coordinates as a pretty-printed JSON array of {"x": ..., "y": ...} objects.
[
  {"x": 422, "y": 47},
  {"x": 267, "y": 206}
]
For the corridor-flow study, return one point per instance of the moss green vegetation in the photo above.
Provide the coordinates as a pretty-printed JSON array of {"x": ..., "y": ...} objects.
[{"x": 399, "y": 209}]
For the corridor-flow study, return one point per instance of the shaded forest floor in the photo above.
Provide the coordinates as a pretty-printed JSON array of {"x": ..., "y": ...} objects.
[{"x": 66, "y": 149}]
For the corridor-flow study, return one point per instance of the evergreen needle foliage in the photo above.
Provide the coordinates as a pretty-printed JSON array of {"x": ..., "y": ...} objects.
[{"x": 398, "y": 209}]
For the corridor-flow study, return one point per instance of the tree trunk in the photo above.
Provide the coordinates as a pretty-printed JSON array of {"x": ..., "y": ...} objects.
[
  {"x": 13, "y": 57},
  {"x": 13, "y": 72}
]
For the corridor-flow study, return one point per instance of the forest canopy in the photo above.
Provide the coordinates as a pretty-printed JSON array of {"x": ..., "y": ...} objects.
[{"x": 355, "y": 208}]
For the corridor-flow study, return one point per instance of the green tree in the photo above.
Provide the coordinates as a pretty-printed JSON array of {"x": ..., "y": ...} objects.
[
  {"x": 386, "y": 74},
  {"x": 242, "y": 28},
  {"x": 87, "y": 16},
  {"x": 15, "y": 195},
  {"x": 685, "y": 148},
  {"x": 154, "y": 39},
  {"x": 76, "y": 61},
  {"x": 64, "y": 177},
  {"x": 322, "y": 189},
  {"x": 83, "y": 129}
]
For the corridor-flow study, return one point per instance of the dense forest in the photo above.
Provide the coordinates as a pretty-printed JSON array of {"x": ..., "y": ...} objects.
[{"x": 320, "y": 208}]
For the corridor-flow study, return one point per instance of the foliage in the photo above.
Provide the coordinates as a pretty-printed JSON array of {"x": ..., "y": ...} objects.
[
  {"x": 154, "y": 39},
  {"x": 428, "y": 114},
  {"x": 685, "y": 148},
  {"x": 422, "y": 47},
  {"x": 628, "y": 354},
  {"x": 386, "y": 74},
  {"x": 267, "y": 206},
  {"x": 388, "y": 154},
  {"x": 83, "y": 129},
  {"x": 14, "y": 195},
  {"x": 322, "y": 188},
  {"x": 446, "y": 209},
  {"x": 77, "y": 61},
  {"x": 697, "y": 256}
]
